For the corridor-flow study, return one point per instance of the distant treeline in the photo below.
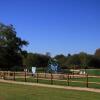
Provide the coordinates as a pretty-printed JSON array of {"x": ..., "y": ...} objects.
[{"x": 81, "y": 60}]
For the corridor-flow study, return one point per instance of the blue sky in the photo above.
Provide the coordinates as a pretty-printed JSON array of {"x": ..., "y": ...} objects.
[{"x": 55, "y": 26}]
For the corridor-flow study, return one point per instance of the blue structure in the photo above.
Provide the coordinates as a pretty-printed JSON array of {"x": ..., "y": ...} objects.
[{"x": 53, "y": 66}]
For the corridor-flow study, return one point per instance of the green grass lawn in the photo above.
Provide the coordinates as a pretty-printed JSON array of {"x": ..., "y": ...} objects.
[
  {"x": 93, "y": 72},
  {"x": 91, "y": 79},
  {"x": 23, "y": 92}
]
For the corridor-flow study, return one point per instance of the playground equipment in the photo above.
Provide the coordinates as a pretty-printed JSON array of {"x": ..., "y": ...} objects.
[{"x": 53, "y": 66}]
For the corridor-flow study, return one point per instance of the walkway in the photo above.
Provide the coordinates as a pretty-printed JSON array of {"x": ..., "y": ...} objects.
[{"x": 52, "y": 86}]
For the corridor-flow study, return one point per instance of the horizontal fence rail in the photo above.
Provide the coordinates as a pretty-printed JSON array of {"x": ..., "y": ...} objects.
[{"x": 84, "y": 80}]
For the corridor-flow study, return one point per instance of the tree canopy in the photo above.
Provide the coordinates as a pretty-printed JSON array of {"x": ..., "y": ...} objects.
[
  {"x": 10, "y": 47},
  {"x": 36, "y": 60}
]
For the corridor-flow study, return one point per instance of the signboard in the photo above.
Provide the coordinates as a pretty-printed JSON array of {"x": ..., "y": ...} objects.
[{"x": 33, "y": 70}]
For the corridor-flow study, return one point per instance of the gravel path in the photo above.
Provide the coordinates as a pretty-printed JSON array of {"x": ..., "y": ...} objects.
[{"x": 52, "y": 86}]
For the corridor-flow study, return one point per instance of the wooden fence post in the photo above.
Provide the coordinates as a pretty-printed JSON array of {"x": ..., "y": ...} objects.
[
  {"x": 25, "y": 76},
  {"x": 51, "y": 78},
  {"x": 68, "y": 79},
  {"x": 14, "y": 75},
  {"x": 45, "y": 72},
  {"x": 4, "y": 75},
  {"x": 37, "y": 78},
  {"x": 87, "y": 84}
]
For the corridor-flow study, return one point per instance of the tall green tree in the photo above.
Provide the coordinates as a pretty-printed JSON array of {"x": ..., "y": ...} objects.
[
  {"x": 83, "y": 59},
  {"x": 74, "y": 61},
  {"x": 97, "y": 53},
  {"x": 10, "y": 47},
  {"x": 37, "y": 60},
  {"x": 62, "y": 60}
]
